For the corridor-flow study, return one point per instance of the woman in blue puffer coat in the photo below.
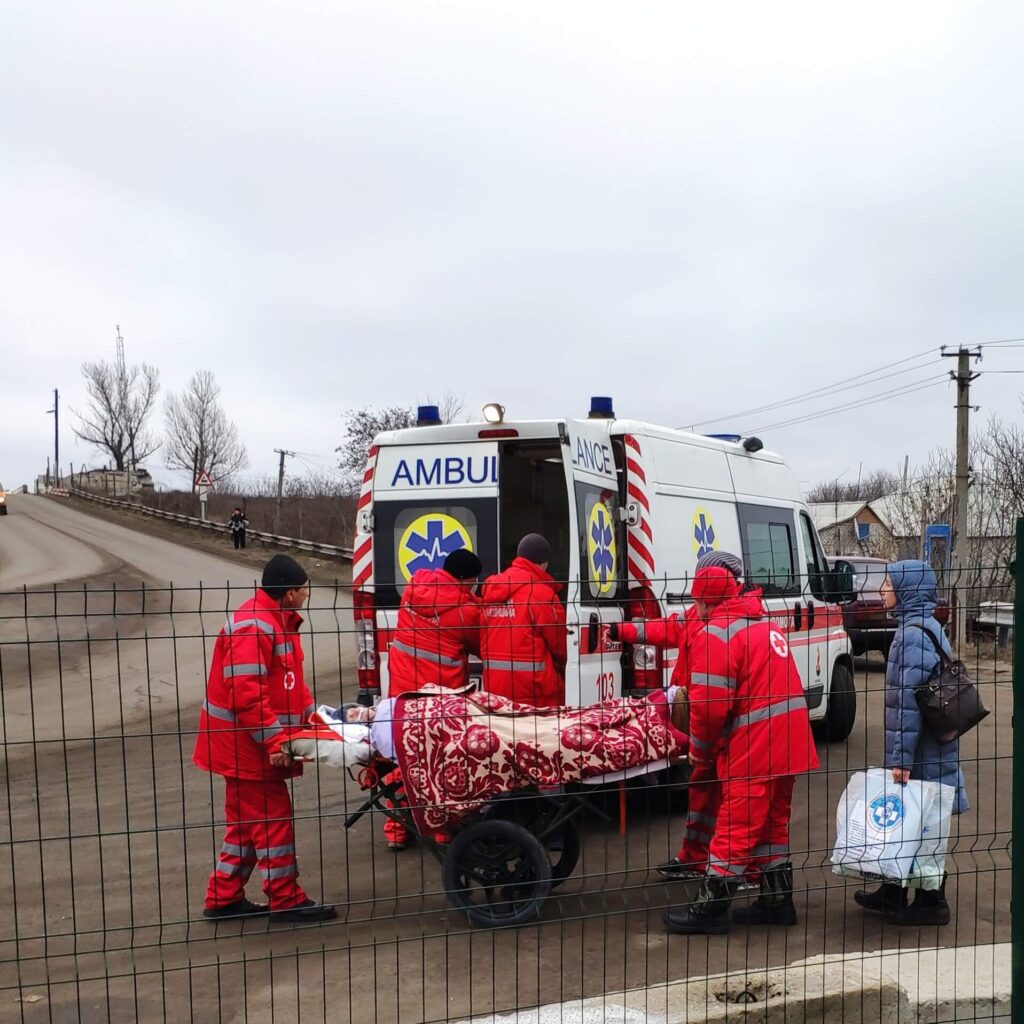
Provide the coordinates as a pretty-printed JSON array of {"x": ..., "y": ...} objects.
[{"x": 911, "y": 751}]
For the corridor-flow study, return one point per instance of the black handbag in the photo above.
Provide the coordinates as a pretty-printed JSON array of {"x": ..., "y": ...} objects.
[{"x": 949, "y": 701}]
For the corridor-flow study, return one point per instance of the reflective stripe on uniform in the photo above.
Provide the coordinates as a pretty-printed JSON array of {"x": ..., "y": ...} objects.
[
  {"x": 246, "y": 852},
  {"x": 641, "y": 632},
  {"x": 244, "y": 670},
  {"x": 291, "y": 719},
  {"x": 286, "y": 648},
  {"x": 695, "y": 833},
  {"x": 282, "y": 872},
  {"x": 724, "y": 867},
  {"x": 415, "y": 652},
  {"x": 782, "y": 707},
  {"x": 231, "y": 627},
  {"x": 308, "y": 710},
  {"x": 726, "y": 633},
  {"x": 262, "y": 735},
  {"x": 223, "y": 868},
  {"x": 772, "y": 855},
  {"x": 715, "y": 682},
  {"x": 516, "y": 666},
  {"x": 218, "y": 712},
  {"x": 266, "y": 852},
  {"x": 699, "y": 744}
]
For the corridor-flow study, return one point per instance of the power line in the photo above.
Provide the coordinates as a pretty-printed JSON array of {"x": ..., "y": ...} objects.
[
  {"x": 822, "y": 392},
  {"x": 907, "y": 389}
]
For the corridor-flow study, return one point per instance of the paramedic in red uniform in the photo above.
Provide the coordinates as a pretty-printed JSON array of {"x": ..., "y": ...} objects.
[
  {"x": 524, "y": 629},
  {"x": 748, "y": 712},
  {"x": 439, "y": 626},
  {"x": 254, "y": 690},
  {"x": 704, "y": 791}
]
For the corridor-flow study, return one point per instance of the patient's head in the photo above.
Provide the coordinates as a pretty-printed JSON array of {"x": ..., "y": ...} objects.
[{"x": 356, "y": 714}]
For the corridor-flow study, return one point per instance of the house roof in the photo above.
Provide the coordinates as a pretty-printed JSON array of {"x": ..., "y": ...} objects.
[{"x": 826, "y": 514}]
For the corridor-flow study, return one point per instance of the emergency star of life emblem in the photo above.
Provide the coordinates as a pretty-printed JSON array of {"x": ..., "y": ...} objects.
[
  {"x": 704, "y": 537},
  {"x": 601, "y": 549},
  {"x": 778, "y": 642},
  {"x": 886, "y": 811},
  {"x": 429, "y": 540}
]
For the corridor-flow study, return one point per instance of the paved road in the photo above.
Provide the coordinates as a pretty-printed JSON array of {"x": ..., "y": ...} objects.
[
  {"x": 108, "y": 833},
  {"x": 104, "y": 626}
]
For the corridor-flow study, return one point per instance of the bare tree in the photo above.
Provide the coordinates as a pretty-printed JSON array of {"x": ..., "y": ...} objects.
[
  {"x": 199, "y": 434},
  {"x": 121, "y": 399},
  {"x": 363, "y": 425},
  {"x": 874, "y": 485}
]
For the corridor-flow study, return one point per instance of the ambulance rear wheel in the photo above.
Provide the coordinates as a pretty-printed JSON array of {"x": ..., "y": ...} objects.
[
  {"x": 841, "y": 713},
  {"x": 497, "y": 873}
]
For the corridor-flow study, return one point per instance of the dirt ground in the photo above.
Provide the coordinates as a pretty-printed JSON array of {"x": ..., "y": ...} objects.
[{"x": 107, "y": 833}]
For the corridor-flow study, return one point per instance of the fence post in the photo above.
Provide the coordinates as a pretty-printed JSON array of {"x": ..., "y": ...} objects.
[{"x": 1017, "y": 833}]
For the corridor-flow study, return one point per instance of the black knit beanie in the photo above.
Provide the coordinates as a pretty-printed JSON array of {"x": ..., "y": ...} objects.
[
  {"x": 534, "y": 548},
  {"x": 463, "y": 564},
  {"x": 282, "y": 573}
]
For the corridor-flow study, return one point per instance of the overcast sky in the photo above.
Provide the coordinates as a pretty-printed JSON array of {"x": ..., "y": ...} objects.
[{"x": 697, "y": 208}]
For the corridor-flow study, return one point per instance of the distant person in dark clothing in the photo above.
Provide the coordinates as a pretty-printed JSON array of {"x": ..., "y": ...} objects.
[{"x": 237, "y": 524}]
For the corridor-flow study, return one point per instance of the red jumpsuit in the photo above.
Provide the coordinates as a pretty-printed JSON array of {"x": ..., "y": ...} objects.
[
  {"x": 439, "y": 625},
  {"x": 747, "y": 704},
  {"x": 255, "y": 689},
  {"x": 523, "y": 645},
  {"x": 704, "y": 792}
]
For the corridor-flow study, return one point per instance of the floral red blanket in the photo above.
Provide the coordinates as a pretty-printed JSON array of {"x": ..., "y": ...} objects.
[{"x": 459, "y": 751}]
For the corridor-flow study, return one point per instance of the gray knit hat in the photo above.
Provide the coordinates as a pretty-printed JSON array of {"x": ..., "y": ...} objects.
[
  {"x": 534, "y": 548},
  {"x": 723, "y": 560}
]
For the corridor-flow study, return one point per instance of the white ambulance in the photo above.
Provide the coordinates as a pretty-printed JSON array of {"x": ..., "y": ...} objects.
[{"x": 628, "y": 508}]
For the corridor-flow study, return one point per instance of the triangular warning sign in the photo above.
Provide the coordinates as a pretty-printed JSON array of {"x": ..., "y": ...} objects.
[{"x": 203, "y": 480}]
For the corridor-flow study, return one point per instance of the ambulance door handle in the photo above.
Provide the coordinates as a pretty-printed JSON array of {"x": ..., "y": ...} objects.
[
  {"x": 798, "y": 616},
  {"x": 810, "y": 615},
  {"x": 593, "y": 631}
]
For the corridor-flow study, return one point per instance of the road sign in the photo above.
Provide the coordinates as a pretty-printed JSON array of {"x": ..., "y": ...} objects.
[{"x": 203, "y": 479}]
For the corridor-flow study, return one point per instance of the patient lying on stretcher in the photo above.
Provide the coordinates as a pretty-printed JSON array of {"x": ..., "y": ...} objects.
[{"x": 460, "y": 749}]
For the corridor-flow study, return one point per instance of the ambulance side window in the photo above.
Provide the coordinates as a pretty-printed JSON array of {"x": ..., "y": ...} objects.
[
  {"x": 597, "y": 523},
  {"x": 817, "y": 569},
  {"x": 769, "y": 549}
]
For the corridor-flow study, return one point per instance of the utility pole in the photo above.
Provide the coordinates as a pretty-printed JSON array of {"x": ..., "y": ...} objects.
[
  {"x": 280, "y": 488},
  {"x": 961, "y": 538},
  {"x": 55, "y": 411}
]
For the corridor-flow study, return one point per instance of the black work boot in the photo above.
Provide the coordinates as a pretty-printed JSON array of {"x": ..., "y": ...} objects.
[
  {"x": 775, "y": 904},
  {"x": 929, "y": 908},
  {"x": 890, "y": 898},
  {"x": 709, "y": 912}
]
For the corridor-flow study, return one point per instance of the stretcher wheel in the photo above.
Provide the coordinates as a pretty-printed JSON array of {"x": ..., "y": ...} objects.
[
  {"x": 564, "y": 860},
  {"x": 497, "y": 874}
]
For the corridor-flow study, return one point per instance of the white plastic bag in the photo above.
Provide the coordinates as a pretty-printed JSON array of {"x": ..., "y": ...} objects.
[{"x": 884, "y": 828}]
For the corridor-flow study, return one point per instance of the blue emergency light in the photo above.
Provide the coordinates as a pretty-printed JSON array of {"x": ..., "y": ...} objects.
[
  {"x": 734, "y": 438},
  {"x": 601, "y": 408},
  {"x": 428, "y": 416}
]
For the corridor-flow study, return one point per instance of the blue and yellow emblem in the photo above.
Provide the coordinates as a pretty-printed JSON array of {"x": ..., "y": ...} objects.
[
  {"x": 429, "y": 540},
  {"x": 601, "y": 549},
  {"x": 704, "y": 537}
]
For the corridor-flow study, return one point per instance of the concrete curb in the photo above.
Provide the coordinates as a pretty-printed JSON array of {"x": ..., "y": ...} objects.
[{"x": 926, "y": 986}]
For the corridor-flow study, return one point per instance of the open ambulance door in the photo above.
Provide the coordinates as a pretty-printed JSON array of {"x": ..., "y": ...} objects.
[{"x": 596, "y": 584}]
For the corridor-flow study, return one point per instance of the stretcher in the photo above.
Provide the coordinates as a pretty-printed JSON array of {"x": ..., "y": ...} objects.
[{"x": 499, "y": 866}]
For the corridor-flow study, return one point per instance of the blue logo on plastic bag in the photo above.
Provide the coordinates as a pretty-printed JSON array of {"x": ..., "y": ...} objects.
[{"x": 886, "y": 811}]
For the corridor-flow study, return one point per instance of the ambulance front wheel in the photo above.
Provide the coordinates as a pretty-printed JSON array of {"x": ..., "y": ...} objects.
[
  {"x": 841, "y": 712},
  {"x": 497, "y": 873}
]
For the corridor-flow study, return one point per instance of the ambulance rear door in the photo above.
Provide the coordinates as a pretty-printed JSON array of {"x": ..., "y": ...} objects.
[
  {"x": 428, "y": 501},
  {"x": 596, "y": 585}
]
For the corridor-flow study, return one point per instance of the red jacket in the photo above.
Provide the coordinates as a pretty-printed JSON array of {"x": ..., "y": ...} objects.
[
  {"x": 675, "y": 631},
  {"x": 524, "y": 636},
  {"x": 439, "y": 624},
  {"x": 254, "y": 691},
  {"x": 746, "y": 695}
]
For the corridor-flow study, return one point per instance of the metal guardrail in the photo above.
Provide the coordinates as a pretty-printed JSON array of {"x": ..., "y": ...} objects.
[{"x": 267, "y": 538}]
